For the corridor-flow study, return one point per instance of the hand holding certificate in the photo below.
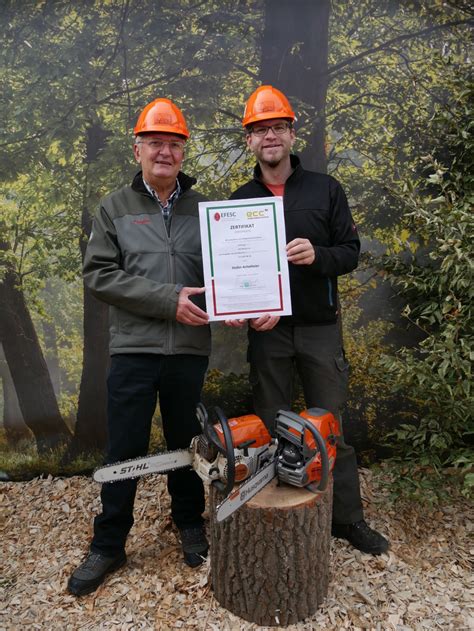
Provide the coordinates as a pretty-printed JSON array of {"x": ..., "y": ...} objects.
[{"x": 244, "y": 258}]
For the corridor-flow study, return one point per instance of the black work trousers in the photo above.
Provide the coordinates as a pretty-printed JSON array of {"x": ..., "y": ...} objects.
[
  {"x": 316, "y": 353},
  {"x": 133, "y": 384}
]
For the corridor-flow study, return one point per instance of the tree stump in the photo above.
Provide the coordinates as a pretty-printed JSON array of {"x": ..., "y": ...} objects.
[{"x": 270, "y": 559}]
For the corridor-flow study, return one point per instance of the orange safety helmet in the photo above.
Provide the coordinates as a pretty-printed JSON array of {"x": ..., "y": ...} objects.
[
  {"x": 265, "y": 103},
  {"x": 161, "y": 115}
]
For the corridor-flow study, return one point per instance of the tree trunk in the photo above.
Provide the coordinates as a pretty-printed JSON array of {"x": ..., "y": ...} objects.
[
  {"x": 295, "y": 60},
  {"x": 13, "y": 424},
  {"x": 91, "y": 424},
  {"x": 51, "y": 345},
  {"x": 27, "y": 365},
  {"x": 270, "y": 559}
]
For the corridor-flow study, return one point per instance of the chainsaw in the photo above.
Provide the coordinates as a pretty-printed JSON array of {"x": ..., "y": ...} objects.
[
  {"x": 304, "y": 457},
  {"x": 227, "y": 451},
  {"x": 240, "y": 450}
]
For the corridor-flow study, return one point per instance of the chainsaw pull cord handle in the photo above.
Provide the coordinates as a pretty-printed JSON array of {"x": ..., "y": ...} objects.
[
  {"x": 228, "y": 451},
  {"x": 323, "y": 482}
]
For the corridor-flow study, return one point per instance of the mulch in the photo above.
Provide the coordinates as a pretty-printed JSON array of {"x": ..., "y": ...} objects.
[{"x": 424, "y": 582}]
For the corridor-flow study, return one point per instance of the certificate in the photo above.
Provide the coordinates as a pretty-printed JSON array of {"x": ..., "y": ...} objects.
[{"x": 244, "y": 258}]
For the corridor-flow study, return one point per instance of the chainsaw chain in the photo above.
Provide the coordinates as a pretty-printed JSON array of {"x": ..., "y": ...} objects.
[{"x": 132, "y": 477}]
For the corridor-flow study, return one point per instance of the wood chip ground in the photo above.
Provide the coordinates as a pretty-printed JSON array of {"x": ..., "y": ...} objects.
[{"x": 423, "y": 583}]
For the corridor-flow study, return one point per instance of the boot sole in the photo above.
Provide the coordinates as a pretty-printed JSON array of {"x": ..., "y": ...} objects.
[
  {"x": 194, "y": 559},
  {"x": 92, "y": 586},
  {"x": 365, "y": 550}
]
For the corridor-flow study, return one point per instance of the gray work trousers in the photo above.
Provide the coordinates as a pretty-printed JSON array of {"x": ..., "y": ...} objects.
[{"x": 316, "y": 353}]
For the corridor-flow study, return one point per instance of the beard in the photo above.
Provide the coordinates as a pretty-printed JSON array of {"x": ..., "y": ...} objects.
[
  {"x": 272, "y": 163},
  {"x": 272, "y": 158}
]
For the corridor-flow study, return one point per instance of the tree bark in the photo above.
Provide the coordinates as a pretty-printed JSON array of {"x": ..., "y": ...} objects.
[
  {"x": 13, "y": 424},
  {"x": 91, "y": 424},
  {"x": 51, "y": 346},
  {"x": 27, "y": 365},
  {"x": 270, "y": 559},
  {"x": 90, "y": 432},
  {"x": 294, "y": 59}
]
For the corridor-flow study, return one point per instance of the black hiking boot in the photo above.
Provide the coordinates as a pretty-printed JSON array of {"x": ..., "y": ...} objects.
[
  {"x": 91, "y": 573},
  {"x": 362, "y": 537},
  {"x": 194, "y": 545}
]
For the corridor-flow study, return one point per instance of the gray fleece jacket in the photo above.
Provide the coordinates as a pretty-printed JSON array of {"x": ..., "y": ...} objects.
[{"x": 132, "y": 264}]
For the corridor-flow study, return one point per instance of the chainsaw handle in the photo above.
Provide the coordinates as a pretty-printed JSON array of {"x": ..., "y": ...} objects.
[
  {"x": 323, "y": 482},
  {"x": 207, "y": 429},
  {"x": 228, "y": 451},
  {"x": 286, "y": 420}
]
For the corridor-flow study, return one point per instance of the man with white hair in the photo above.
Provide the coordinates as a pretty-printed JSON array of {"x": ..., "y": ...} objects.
[{"x": 144, "y": 260}]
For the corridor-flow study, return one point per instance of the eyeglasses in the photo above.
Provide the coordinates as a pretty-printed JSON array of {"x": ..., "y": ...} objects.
[
  {"x": 158, "y": 145},
  {"x": 279, "y": 129}
]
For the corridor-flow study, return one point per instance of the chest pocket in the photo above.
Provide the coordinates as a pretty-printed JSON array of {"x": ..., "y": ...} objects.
[
  {"x": 141, "y": 233},
  {"x": 308, "y": 223}
]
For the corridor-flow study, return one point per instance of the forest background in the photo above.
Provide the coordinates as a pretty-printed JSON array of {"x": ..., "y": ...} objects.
[{"x": 382, "y": 92}]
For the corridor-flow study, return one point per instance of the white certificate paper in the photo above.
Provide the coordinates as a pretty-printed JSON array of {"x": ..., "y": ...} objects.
[{"x": 244, "y": 258}]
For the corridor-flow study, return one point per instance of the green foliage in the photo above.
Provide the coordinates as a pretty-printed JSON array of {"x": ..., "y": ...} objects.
[
  {"x": 75, "y": 75},
  {"x": 387, "y": 71},
  {"x": 364, "y": 345},
  {"x": 57, "y": 315},
  {"x": 24, "y": 462},
  {"x": 412, "y": 482},
  {"x": 157, "y": 438},
  {"x": 437, "y": 284},
  {"x": 230, "y": 392}
]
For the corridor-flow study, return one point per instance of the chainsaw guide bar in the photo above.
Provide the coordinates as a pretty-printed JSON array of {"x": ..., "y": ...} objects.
[
  {"x": 248, "y": 489},
  {"x": 136, "y": 467}
]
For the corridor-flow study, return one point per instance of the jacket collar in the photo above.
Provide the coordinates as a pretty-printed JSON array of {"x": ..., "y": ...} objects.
[
  {"x": 295, "y": 164},
  {"x": 185, "y": 181}
]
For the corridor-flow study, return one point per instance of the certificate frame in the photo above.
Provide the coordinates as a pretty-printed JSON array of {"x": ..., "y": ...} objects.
[{"x": 253, "y": 231}]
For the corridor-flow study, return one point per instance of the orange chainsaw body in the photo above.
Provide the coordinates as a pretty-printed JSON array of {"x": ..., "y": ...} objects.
[
  {"x": 250, "y": 437},
  {"x": 250, "y": 440},
  {"x": 248, "y": 429}
]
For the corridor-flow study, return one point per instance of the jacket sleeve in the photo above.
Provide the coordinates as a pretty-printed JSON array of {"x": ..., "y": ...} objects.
[
  {"x": 342, "y": 256},
  {"x": 109, "y": 282}
]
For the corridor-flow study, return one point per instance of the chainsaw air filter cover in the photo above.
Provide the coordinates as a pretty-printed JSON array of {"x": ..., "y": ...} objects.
[{"x": 247, "y": 431}]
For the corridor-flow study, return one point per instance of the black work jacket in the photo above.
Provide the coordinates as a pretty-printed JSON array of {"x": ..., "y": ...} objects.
[{"x": 315, "y": 208}]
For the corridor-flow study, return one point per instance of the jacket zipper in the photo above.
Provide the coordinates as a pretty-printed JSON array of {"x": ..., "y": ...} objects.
[
  {"x": 170, "y": 323},
  {"x": 331, "y": 301}
]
